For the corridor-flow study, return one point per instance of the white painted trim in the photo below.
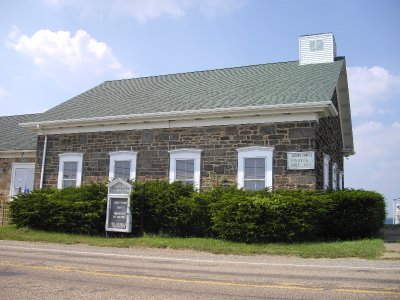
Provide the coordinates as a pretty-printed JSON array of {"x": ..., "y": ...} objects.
[
  {"x": 326, "y": 168},
  {"x": 255, "y": 152},
  {"x": 342, "y": 92},
  {"x": 335, "y": 176},
  {"x": 190, "y": 123},
  {"x": 322, "y": 108},
  {"x": 13, "y": 169},
  {"x": 18, "y": 153},
  {"x": 70, "y": 157},
  {"x": 340, "y": 180},
  {"x": 126, "y": 156},
  {"x": 43, "y": 162},
  {"x": 185, "y": 153}
]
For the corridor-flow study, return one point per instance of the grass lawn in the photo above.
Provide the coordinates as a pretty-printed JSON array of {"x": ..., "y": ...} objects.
[{"x": 368, "y": 248}]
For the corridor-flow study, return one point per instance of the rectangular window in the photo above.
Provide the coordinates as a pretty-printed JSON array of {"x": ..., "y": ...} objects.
[
  {"x": 317, "y": 45},
  {"x": 69, "y": 173},
  {"x": 122, "y": 165},
  {"x": 326, "y": 171},
  {"x": 185, "y": 166},
  {"x": 70, "y": 170},
  {"x": 335, "y": 177},
  {"x": 122, "y": 169},
  {"x": 254, "y": 173},
  {"x": 255, "y": 167},
  {"x": 185, "y": 171},
  {"x": 340, "y": 180}
]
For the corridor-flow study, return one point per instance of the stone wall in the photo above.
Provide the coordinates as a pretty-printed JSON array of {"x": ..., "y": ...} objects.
[
  {"x": 329, "y": 141},
  {"x": 219, "y": 155},
  {"x": 5, "y": 173}
]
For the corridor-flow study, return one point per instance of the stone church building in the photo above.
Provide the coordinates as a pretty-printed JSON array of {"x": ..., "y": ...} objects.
[{"x": 275, "y": 125}]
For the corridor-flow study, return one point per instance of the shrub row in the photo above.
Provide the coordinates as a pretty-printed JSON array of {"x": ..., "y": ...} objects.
[
  {"x": 262, "y": 216},
  {"x": 298, "y": 215},
  {"x": 74, "y": 210},
  {"x": 161, "y": 207},
  {"x": 227, "y": 213}
]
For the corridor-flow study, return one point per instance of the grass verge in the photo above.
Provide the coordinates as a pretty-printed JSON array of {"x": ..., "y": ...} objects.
[{"x": 368, "y": 248}]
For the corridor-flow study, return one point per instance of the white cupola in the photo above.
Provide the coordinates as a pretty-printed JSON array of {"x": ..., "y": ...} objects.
[{"x": 317, "y": 48}]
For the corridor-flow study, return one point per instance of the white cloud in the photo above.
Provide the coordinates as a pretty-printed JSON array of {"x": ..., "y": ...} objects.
[
  {"x": 370, "y": 88},
  {"x": 126, "y": 74},
  {"x": 376, "y": 165},
  {"x": 370, "y": 136},
  {"x": 62, "y": 55},
  {"x": 144, "y": 10}
]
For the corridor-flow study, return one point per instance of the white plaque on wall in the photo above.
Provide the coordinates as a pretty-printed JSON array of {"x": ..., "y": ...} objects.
[{"x": 301, "y": 160}]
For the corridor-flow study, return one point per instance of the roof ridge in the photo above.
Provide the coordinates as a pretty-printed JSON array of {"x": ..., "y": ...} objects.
[
  {"x": 201, "y": 71},
  {"x": 23, "y": 115}
]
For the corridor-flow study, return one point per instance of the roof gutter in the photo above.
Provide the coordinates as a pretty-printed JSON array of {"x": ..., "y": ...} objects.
[
  {"x": 323, "y": 108},
  {"x": 348, "y": 152},
  {"x": 43, "y": 162}
]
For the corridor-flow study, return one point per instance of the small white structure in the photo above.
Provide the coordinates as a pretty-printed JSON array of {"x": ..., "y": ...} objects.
[
  {"x": 317, "y": 48},
  {"x": 396, "y": 217},
  {"x": 119, "y": 217}
]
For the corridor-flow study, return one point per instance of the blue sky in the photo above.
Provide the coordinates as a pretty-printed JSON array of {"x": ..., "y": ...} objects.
[{"x": 52, "y": 50}]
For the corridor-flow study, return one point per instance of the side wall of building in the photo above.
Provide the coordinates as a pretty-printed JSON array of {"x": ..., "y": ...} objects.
[
  {"x": 219, "y": 146},
  {"x": 329, "y": 141}
]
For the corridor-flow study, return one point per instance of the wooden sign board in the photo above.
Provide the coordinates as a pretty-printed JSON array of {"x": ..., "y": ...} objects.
[{"x": 119, "y": 216}]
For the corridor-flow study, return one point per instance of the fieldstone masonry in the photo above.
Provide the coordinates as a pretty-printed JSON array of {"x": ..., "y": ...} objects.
[{"x": 219, "y": 146}]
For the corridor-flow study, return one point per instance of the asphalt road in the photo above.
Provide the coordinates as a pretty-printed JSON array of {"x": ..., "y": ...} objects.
[{"x": 49, "y": 271}]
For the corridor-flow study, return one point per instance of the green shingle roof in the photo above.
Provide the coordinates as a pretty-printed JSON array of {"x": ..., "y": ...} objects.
[
  {"x": 265, "y": 84},
  {"x": 14, "y": 137}
]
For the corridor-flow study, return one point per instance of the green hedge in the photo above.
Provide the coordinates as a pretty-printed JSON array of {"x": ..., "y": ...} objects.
[
  {"x": 265, "y": 217},
  {"x": 298, "y": 215},
  {"x": 161, "y": 207},
  {"x": 74, "y": 210},
  {"x": 227, "y": 213},
  {"x": 354, "y": 214}
]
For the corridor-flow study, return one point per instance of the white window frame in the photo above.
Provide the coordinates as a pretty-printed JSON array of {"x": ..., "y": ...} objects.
[
  {"x": 340, "y": 183},
  {"x": 255, "y": 152},
  {"x": 327, "y": 160},
  {"x": 335, "y": 176},
  {"x": 70, "y": 157},
  {"x": 16, "y": 166},
  {"x": 185, "y": 154},
  {"x": 122, "y": 156}
]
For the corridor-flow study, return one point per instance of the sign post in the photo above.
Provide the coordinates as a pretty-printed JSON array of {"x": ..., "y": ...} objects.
[{"x": 119, "y": 217}]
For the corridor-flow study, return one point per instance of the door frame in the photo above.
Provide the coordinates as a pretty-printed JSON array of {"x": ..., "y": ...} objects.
[{"x": 16, "y": 166}]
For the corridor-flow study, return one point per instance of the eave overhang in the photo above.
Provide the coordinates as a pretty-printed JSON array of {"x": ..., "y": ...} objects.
[
  {"x": 342, "y": 92},
  {"x": 320, "y": 109}
]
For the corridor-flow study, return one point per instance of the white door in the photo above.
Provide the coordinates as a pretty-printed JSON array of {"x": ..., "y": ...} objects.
[{"x": 22, "y": 178}]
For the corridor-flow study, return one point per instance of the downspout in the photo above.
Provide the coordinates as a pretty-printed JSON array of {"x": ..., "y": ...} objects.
[{"x": 43, "y": 161}]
